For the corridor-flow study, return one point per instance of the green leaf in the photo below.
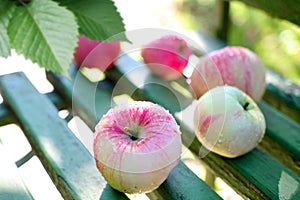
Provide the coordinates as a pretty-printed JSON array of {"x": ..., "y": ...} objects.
[
  {"x": 97, "y": 19},
  {"x": 4, "y": 41},
  {"x": 6, "y": 9},
  {"x": 45, "y": 33}
]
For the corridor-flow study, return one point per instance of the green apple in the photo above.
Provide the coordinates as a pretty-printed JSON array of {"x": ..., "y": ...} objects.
[{"x": 228, "y": 122}]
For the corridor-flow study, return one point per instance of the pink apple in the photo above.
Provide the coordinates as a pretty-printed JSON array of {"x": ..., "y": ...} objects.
[
  {"x": 228, "y": 122},
  {"x": 136, "y": 146},
  {"x": 94, "y": 54},
  {"x": 167, "y": 56},
  {"x": 235, "y": 66}
]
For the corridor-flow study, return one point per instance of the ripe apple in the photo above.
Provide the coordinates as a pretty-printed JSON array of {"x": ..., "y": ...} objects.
[
  {"x": 167, "y": 56},
  {"x": 136, "y": 146},
  {"x": 95, "y": 54},
  {"x": 228, "y": 122},
  {"x": 233, "y": 65}
]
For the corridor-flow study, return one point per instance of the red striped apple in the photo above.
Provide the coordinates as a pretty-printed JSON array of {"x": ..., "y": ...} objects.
[
  {"x": 167, "y": 56},
  {"x": 95, "y": 54},
  {"x": 235, "y": 66},
  {"x": 228, "y": 122},
  {"x": 136, "y": 146}
]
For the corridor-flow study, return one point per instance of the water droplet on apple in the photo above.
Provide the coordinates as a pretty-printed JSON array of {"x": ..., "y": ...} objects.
[
  {"x": 239, "y": 126},
  {"x": 119, "y": 143},
  {"x": 115, "y": 148},
  {"x": 228, "y": 150},
  {"x": 100, "y": 145}
]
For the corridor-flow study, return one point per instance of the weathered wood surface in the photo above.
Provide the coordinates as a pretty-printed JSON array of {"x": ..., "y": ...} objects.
[
  {"x": 69, "y": 164},
  {"x": 12, "y": 186}
]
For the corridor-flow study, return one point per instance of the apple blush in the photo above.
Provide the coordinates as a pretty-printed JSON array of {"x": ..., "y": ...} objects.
[
  {"x": 136, "y": 146},
  {"x": 96, "y": 54},
  {"x": 228, "y": 122},
  {"x": 233, "y": 65},
  {"x": 167, "y": 56}
]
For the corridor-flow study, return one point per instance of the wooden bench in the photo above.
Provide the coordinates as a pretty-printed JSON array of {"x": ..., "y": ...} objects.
[{"x": 270, "y": 171}]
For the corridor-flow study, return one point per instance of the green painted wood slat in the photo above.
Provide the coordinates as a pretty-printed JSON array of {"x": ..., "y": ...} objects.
[
  {"x": 69, "y": 164},
  {"x": 7, "y": 117},
  {"x": 12, "y": 186},
  {"x": 282, "y": 129}
]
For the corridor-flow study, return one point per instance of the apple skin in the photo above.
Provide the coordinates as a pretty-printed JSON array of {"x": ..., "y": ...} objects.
[
  {"x": 167, "y": 56},
  {"x": 96, "y": 54},
  {"x": 232, "y": 65},
  {"x": 137, "y": 146},
  {"x": 228, "y": 122}
]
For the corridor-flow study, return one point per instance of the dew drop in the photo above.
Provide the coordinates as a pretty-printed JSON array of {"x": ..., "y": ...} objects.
[
  {"x": 229, "y": 149},
  {"x": 115, "y": 148},
  {"x": 119, "y": 143}
]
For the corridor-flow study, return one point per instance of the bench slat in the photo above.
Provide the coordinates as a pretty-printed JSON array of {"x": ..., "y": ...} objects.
[
  {"x": 282, "y": 129},
  {"x": 181, "y": 183},
  {"x": 283, "y": 95},
  {"x": 11, "y": 184},
  {"x": 267, "y": 174},
  {"x": 69, "y": 164},
  {"x": 5, "y": 116}
]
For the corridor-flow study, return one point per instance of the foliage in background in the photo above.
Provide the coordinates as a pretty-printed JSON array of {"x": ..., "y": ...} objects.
[
  {"x": 277, "y": 42},
  {"x": 45, "y": 31},
  {"x": 197, "y": 14}
]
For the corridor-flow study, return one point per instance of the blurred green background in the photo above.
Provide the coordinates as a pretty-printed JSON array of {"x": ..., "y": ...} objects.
[{"x": 277, "y": 42}]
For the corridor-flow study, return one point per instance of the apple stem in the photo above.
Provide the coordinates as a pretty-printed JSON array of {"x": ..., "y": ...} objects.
[{"x": 132, "y": 134}]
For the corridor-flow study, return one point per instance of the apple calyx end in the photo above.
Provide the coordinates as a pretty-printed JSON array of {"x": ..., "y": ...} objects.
[
  {"x": 246, "y": 105},
  {"x": 133, "y": 135}
]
